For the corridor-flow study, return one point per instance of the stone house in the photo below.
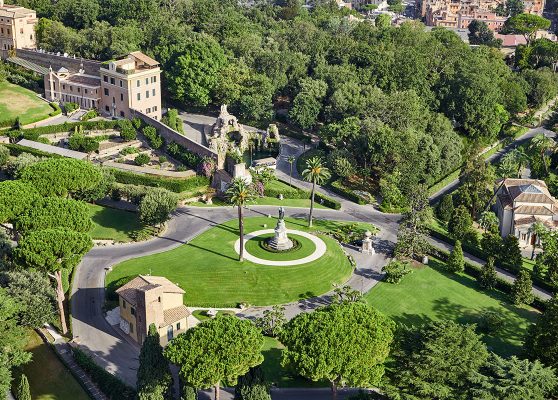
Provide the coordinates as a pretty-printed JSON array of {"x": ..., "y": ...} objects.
[
  {"x": 147, "y": 300},
  {"x": 522, "y": 202}
]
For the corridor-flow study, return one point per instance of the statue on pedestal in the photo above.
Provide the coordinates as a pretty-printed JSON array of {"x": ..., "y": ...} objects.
[
  {"x": 281, "y": 242},
  {"x": 367, "y": 247}
]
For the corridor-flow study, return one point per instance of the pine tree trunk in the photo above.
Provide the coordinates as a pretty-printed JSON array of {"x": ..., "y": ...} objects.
[
  {"x": 60, "y": 299},
  {"x": 241, "y": 229},
  {"x": 312, "y": 204},
  {"x": 217, "y": 392},
  {"x": 333, "y": 390}
]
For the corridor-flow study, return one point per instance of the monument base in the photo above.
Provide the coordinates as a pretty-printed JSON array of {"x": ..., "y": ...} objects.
[{"x": 280, "y": 242}]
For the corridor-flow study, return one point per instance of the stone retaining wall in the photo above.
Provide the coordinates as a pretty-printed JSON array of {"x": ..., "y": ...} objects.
[{"x": 47, "y": 60}]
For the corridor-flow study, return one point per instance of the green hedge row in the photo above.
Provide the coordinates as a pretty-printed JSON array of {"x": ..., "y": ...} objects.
[
  {"x": 109, "y": 384},
  {"x": 16, "y": 150},
  {"x": 296, "y": 193},
  {"x": 65, "y": 127},
  {"x": 479, "y": 253},
  {"x": 172, "y": 184},
  {"x": 340, "y": 189},
  {"x": 473, "y": 270}
]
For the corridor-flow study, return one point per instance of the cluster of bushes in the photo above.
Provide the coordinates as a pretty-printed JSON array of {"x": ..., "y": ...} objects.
[
  {"x": 185, "y": 156},
  {"x": 34, "y": 133},
  {"x": 109, "y": 384},
  {"x": 296, "y": 193},
  {"x": 89, "y": 115},
  {"x": 339, "y": 188},
  {"x": 142, "y": 159},
  {"x": 71, "y": 107},
  {"x": 155, "y": 140},
  {"x": 16, "y": 150},
  {"x": 172, "y": 184},
  {"x": 23, "y": 77},
  {"x": 127, "y": 130}
]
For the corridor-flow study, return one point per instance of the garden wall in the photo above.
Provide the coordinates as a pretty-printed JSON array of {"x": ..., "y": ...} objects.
[
  {"x": 46, "y": 60},
  {"x": 171, "y": 135}
]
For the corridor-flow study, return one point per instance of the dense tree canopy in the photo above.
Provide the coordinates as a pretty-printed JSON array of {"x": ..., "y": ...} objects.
[
  {"x": 61, "y": 176},
  {"x": 53, "y": 212},
  {"x": 15, "y": 198},
  {"x": 343, "y": 343}
]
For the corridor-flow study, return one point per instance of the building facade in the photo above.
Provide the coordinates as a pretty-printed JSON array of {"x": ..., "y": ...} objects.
[
  {"x": 131, "y": 83},
  {"x": 459, "y": 14},
  {"x": 17, "y": 27},
  {"x": 147, "y": 300},
  {"x": 520, "y": 203}
]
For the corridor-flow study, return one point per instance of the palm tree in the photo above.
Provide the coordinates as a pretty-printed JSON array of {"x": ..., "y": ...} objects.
[
  {"x": 239, "y": 194},
  {"x": 542, "y": 144},
  {"x": 316, "y": 173},
  {"x": 488, "y": 220},
  {"x": 291, "y": 160},
  {"x": 521, "y": 158}
]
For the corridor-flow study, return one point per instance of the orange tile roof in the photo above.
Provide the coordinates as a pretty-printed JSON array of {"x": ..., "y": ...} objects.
[
  {"x": 175, "y": 314},
  {"x": 129, "y": 290}
]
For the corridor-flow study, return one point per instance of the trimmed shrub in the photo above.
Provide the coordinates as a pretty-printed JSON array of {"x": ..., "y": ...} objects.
[
  {"x": 70, "y": 107},
  {"x": 56, "y": 110},
  {"x": 142, "y": 159},
  {"x": 65, "y": 127},
  {"x": 109, "y": 384},
  {"x": 89, "y": 114},
  {"x": 183, "y": 155},
  {"x": 174, "y": 185}
]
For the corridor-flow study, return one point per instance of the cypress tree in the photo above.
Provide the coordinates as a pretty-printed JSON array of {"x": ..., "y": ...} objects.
[
  {"x": 445, "y": 208},
  {"x": 189, "y": 393},
  {"x": 154, "y": 377},
  {"x": 522, "y": 289},
  {"x": 487, "y": 275},
  {"x": 456, "y": 261},
  {"x": 23, "y": 389}
]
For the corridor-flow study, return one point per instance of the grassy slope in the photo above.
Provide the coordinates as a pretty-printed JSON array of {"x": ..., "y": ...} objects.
[
  {"x": 208, "y": 270},
  {"x": 17, "y": 101},
  {"x": 109, "y": 223},
  {"x": 428, "y": 294},
  {"x": 48, "y": 377}
]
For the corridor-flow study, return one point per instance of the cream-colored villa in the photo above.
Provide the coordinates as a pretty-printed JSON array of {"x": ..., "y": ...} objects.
[
  {"x": 147, "y": 300},
  {"x": 522, "y": 202},
  {"x": 131, "y": 83},
  {"x": 17, "y": 27}
]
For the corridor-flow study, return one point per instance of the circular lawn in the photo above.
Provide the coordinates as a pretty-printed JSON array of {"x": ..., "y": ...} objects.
[{"x": 207, "y": 268}]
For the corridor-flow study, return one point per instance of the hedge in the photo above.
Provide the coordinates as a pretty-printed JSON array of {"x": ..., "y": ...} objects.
[
  {"x": 296, "y": 193},
  {"x": 65, "y": 127},
  {"x": 475, "y": 251},
  {"x": 172, "y": 184},
  {"x": 56, "y": 109},
  {"x": 474, "y": 270},
  {"x": 340, "y": 189},
  {"x": 16, "y": 150},
  {"x": 109, "y": 384}
]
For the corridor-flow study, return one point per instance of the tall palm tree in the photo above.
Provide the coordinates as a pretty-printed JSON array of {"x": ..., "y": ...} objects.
[
  {"x": 291, "y": 160},
  {"x": 488, "y": 220},
  {"x": 316, "y": 173},
  {"x": 542, "y": 144},
  {"x": 521, "y": 158},
  {"x": 239, "y": 194}
]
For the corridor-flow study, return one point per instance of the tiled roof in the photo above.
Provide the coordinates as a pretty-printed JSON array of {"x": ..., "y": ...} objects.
[
  {"x": 145, "y": 283},
  {"x": 505, "y": 200},
  {"x": 525, "y": 221},
  {"x": 85, "y": 80},
  {"x": 144, "y": 58},
  {"x": 173, "y": 315},
  {"x": 533, "y": 210},
  {"x": 528, "y": 190}
]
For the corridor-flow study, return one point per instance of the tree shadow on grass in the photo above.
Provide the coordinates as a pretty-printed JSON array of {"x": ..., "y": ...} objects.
[{"x": 212, "y": 251}]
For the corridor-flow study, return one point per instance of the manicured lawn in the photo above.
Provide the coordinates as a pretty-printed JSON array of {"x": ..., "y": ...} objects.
[
  {"x": 202, "y": 314},
  {"x": 307, "y": 247},
  {"x": 16, "y": 101},
  {"x": 263, "y": 201},
  {"x": 48, "y": 377},
  {"x": 208, "y": 269},
  {"x": 112, "y": 224},
  {"x": 429, "y": 294}
]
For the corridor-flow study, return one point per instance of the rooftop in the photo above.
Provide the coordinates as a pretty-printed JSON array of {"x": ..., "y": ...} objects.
[{"x": 146, "y": 283}]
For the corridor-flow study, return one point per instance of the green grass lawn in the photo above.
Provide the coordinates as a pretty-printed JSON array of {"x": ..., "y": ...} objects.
[
  {"x": 112, "y": 224},
  {"x": 263, "y": 201},
  {"x": 208, "y": 269},
  {"x": 16, "y": 101},
  {"x": 48, "y": 377},
  {"x": 430, "y": 294},
  {"x": 202, "y": 314},
  {"x": 307, "y": 247}
]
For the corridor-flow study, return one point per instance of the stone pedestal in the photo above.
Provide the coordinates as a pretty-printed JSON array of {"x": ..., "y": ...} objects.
[
  {"x": 281, "y": 242},
  {"x": 367, "y": 247}
]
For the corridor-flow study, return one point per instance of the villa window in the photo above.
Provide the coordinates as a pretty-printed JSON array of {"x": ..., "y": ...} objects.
[
  {"x": 132, "y": 311},
  {"x": 105, "y": 78},
  {"x": 147, "y": 94},
  {"x": 120, "y": 82},
  {"x": 106, "y": 92},
  {"x": 138, "y": 83},
  {"x": 112, "y": 81},
  {"x": 121, "y": 97},
  {"x": 64, "y": 87},
  {"x": 147, "y": 81},
  {"x": 178, "y": 326},
  {"x": 131, "y": 328},
  {"x": 153, "y": 92},
  {"x": 148, "y": 111},
  {"x": 124, "y": 304},
  {"x": 170, "y": 333},
  {"x": 85, "y": 91},
  {"x": 139, "y": 96},
  {"x": 122, "y": 114}
]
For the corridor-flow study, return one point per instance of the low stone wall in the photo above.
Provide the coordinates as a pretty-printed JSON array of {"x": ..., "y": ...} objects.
[
  {"x": 171, "y": 135},
  {"x": 47, "y": 60}
]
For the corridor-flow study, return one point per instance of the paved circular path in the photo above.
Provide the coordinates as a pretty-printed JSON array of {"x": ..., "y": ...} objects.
[{"x": 319, "y": 243}]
